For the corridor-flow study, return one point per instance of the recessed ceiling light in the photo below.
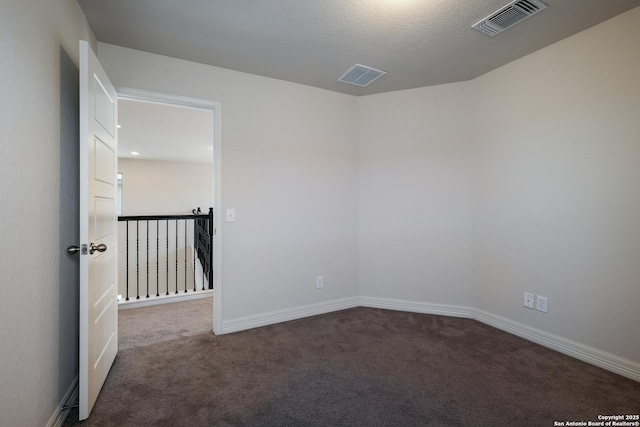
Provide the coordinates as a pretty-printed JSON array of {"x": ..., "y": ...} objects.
[
  {"x": 135, "y": 153},
  {"x": 119, "y": 126}
]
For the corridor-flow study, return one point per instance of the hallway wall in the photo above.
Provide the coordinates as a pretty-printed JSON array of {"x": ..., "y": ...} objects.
[{"x": 154, "y": 187}]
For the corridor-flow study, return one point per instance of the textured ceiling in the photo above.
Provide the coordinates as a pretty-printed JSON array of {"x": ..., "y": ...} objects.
[{"x": 313, "y": 42}]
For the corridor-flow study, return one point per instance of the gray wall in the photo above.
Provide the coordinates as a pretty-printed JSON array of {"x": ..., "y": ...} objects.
[
  {"x": 415, "y": 212},
  {"x": 524, "y": 179},
  {"x": 39, "y": 215},
  {"x": 556, "y": 188}
]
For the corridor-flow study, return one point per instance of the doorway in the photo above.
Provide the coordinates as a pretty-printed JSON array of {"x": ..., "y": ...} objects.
[{"x": 176, "y": 140}]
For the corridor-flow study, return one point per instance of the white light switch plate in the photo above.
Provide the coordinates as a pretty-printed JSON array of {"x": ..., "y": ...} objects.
[{"x": 231, "y": 215}]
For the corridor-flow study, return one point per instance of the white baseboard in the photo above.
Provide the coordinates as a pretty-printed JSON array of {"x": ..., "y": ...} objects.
[
  {"x": 249, "y": 322},
  {"x": 602, "y": 359},
  {"x": 70, "y": 397},
  {"x": 164, "y": 299},
  {"x": 417, "y": 307},
  {"x": 593, "y": 356}
]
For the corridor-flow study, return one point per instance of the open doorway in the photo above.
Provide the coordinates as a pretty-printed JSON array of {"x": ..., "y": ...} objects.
[{"x": 168, "y": 188}]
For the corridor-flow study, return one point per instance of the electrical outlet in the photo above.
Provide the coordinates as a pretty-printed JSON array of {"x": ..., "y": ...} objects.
[
  {"x": 542, "y": 303},
  {"x": 528, "y": 300},
  {"x": 319, "y": 282}
]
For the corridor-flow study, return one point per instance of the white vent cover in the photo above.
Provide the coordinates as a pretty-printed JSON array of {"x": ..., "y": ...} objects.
[
  {"x": 361, "y": 75},
  {"x": 508, "y": 16}
]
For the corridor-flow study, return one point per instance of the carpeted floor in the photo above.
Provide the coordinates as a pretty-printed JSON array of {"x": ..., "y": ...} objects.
[
  {"x": 357, "y": 367},
  {"x": 140, "y": 327}
]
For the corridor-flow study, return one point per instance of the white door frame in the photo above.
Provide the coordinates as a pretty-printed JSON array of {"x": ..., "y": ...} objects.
[{"x": 143, "y": 95}]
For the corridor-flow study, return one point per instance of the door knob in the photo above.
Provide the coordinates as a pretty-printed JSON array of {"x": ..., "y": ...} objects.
[
  {"x": 72, "y": 250},
  {"x": 100, "y": 248}
]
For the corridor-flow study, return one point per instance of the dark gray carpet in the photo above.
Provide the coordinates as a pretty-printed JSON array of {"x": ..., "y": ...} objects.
[
  {"x": 145, "y": 326},
  {"x": 358, "y": 367}
]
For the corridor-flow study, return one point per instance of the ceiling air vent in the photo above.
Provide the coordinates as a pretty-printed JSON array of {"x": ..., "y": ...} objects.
[
  {"x": 508, "y": 16},
  {"x": 361, "y": 75}
]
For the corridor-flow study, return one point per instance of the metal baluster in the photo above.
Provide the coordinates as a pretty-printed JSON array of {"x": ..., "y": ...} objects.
[
  {"x": 185, "y": 256},
  {"x": 167, "y": 241},
  {"x": 176, "y": 256},
  {"x": 137, "y": 259},
  {"x": 194, "y": 255},
  {"x": 157, "y": 257},
  {"x": 147, "y": 258},
  {"x": 127, "y": 251},
  {"x": 200, "y": 252}
]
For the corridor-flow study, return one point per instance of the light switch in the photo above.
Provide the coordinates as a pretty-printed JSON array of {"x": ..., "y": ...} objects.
[{"x": 231, "y": 215}]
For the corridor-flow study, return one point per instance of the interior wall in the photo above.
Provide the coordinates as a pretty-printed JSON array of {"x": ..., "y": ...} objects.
[
  {"x": 289, "y": 168},
  {"x": 556, "y": 197},
  {"x": 414, "y": 207},
  {"x": 40, "y": 207},
  {"x": 154, "y": 187},
  {"x": 524, "y": 179}
]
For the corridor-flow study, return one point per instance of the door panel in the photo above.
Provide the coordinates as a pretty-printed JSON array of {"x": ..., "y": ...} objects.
[
  {"x": 104, "y": 162},
  {"x": 104, "y": 225},
  {"x": 102, "y": 277},
  {"x": 104, "y": 112},
  {"x": 98, "y": 287}
]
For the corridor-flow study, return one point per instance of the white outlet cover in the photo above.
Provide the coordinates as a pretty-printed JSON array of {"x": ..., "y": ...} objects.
[{"x": 542, "y": 303}]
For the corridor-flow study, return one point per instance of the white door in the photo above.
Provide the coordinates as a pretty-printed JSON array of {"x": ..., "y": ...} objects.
[{"x": 98, "y": 186}]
